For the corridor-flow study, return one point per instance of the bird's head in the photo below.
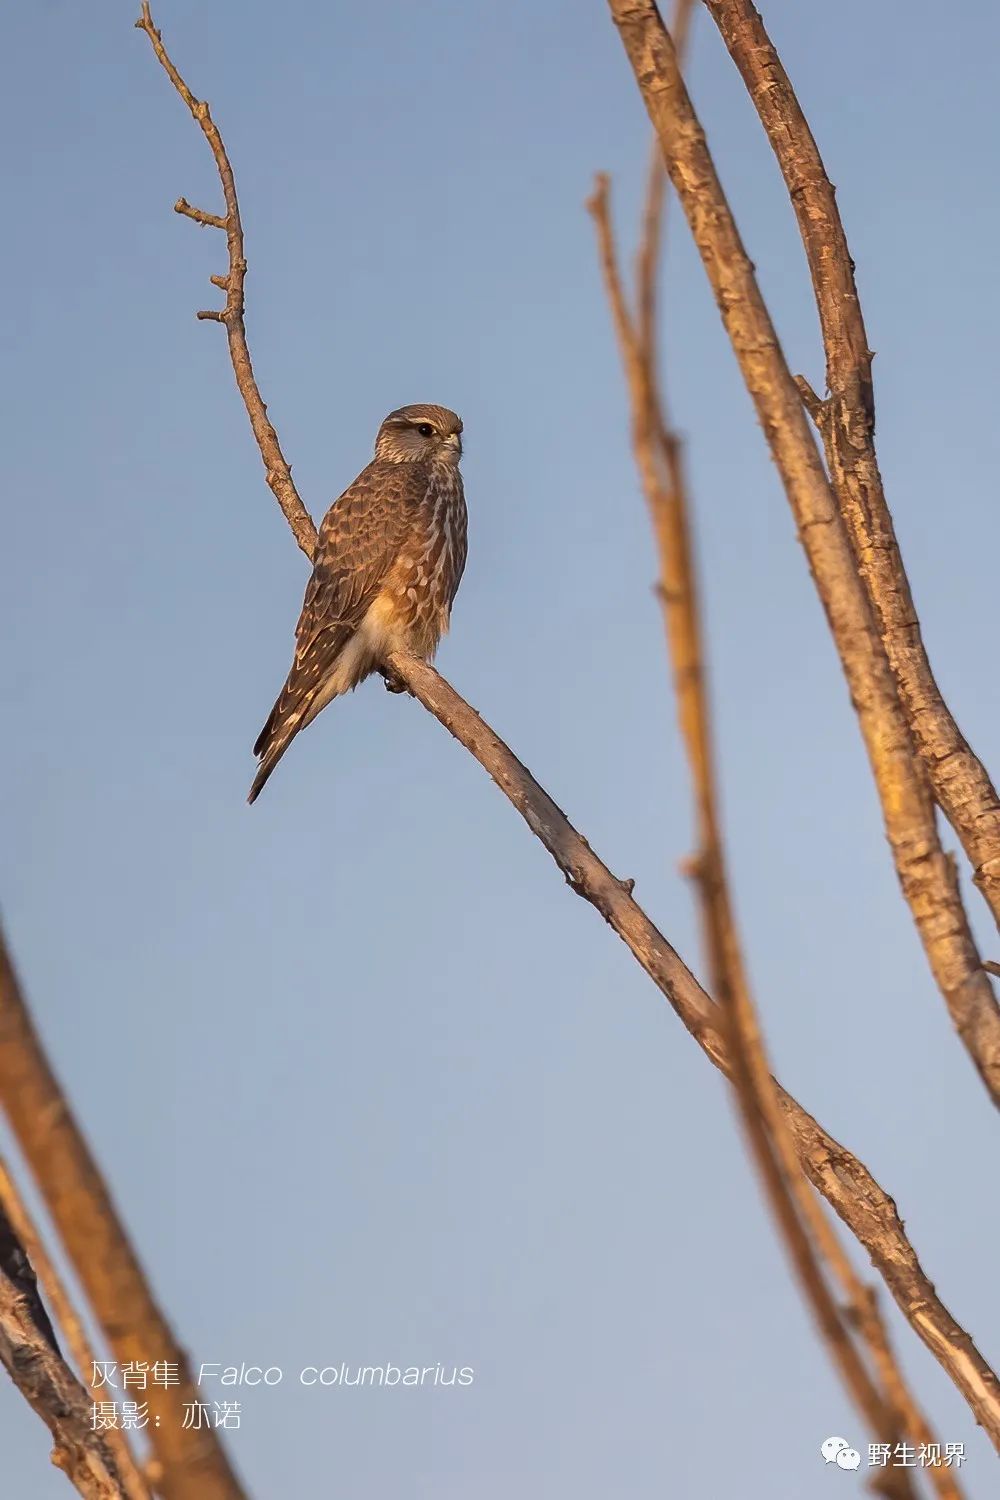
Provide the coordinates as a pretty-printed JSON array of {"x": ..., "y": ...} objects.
[{"x": 417, "y": 433}]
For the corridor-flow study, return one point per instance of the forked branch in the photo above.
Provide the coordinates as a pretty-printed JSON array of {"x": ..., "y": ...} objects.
[
  {"x": 926, "y": 874},
  {"x": 960, "y": 781}
]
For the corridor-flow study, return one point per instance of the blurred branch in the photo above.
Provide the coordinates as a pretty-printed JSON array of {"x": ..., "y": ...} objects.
[
  {"x": 846, "y": 1184},
  {"x": 13, "y": 1207},
  {"x": 29, "y": 1353},
  {"x": 889, "y": 1408},
  {"x": 647, "y": 261},
  {"x": 926, "y": 875},
  {"x": 194, "y": 1465},
  {"x": 846, "y": 421}
]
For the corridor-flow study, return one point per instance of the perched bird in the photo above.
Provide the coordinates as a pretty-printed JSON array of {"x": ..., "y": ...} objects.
[{"x": 388, "y": 563}]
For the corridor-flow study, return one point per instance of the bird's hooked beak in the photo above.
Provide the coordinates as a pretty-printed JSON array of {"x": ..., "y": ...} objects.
[{"x": 453, "y": 442}]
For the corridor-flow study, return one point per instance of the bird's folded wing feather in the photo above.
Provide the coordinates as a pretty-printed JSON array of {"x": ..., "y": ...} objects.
[
  {"x": 358, "y": 543},
  {"x": 360, "y": 539}
]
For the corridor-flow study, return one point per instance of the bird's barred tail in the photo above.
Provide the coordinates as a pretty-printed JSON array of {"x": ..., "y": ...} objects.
[
  {"x": 267, "y": 765},
  {"x": 308, "y": 688},
  {"x": 272, "y": 742}
]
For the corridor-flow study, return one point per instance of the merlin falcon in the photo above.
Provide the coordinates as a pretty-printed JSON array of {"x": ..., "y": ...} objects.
[{"x": 389, "y": 559}]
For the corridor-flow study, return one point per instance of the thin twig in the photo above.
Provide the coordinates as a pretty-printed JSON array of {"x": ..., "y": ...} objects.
[
  {"x": 960, "y": 781},
  {"x": 926, "y": 875},
  {"x": 278, "y": 471},
  {"x": 97, "y": 1244},
  {"x": 29, "y": 1354},
  {"x": 840, "y": 1177},
  {"x": 212, "y": 221},
  {"x": 812, "y": 403},
  {"x": 80, "y": 1348}
]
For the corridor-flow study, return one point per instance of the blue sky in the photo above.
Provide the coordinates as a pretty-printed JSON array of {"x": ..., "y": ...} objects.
[{"x": 369, "y": 1082}]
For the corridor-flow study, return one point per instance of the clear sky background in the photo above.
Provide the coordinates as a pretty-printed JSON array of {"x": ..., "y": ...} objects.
[{"x": 368, "y": 1081}]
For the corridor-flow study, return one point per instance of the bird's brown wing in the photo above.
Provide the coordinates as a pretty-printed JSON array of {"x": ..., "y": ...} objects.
[{"x": 359, "y": 541}]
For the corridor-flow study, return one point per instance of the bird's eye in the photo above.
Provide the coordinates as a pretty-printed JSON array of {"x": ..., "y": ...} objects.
[{"x": 425, "y": 429}]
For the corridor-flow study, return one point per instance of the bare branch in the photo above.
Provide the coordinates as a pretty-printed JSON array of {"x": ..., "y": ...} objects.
[
  {"x": 840, "y": 1177},
  {"x": 182, "y": 206},
  {"x": 597, "y": 207},
  {"x": 647, "y": 259},
  {"x": 279, "y": 474},
  {"x": 19, "y": 1266},
  {"x": 960, "y": 781},
  {"x": 928, "y": 881},
  {"x": 29, "y": 1354},
  {"x": 852, "y": 1192},
  {"x": 13, "y": 1207},
  {"x": 888, "y": 1408},
  {"x": 864, "y": 1309},
  {"x": 812, "y": 403},
  {"x": 648, "y": 256},
  {"x": 99, "y": 1248}
]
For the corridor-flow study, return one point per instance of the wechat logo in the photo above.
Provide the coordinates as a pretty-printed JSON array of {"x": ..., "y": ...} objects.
[{"x": 837, "y": 1450}]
